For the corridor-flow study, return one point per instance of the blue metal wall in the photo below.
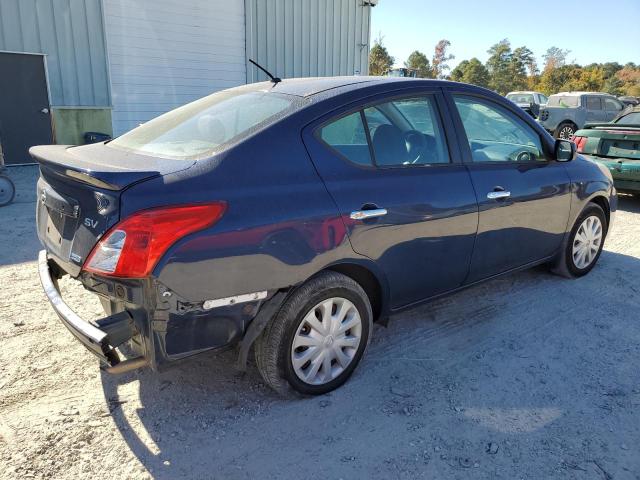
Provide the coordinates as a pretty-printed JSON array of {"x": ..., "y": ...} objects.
[{"x": 71, "y": 34}]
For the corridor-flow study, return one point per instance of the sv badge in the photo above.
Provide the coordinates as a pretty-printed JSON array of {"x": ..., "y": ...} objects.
[{"x": 91, "y": 223}]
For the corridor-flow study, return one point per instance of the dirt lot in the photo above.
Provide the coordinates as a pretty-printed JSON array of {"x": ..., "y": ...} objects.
[{"x": 529, "y": 376}]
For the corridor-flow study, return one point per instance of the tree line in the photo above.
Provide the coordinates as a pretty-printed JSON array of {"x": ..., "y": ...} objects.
[{"x": 508, "y": 69}]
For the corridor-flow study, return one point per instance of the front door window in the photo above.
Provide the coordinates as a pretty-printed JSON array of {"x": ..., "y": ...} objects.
[{"x": 496, "y": 136}]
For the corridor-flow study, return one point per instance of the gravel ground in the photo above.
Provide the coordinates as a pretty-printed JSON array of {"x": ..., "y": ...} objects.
[{"x": 528, "y": 376}]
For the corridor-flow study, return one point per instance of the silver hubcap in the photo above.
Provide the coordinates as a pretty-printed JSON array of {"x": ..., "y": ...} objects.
[
  {"x": 326, "y": 341},
  {"x": 566, "y": 133},
  {"x": 587, "y": 242}
]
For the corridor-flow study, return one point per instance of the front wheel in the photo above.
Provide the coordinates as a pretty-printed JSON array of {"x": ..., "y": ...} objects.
[
  {"x": 565, "y": 131},
  {"x": 584, "y": 244},
  {"x": 316, "y": 340}
]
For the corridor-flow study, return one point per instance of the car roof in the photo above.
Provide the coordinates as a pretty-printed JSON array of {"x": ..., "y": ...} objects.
[
  {"x": 576, "y": 94},
  {"x": 521, "y": 91},
  {"x": 306, "y": 87}
]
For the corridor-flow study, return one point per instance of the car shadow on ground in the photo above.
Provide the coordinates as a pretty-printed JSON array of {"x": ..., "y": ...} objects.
[
  {"x": 629, "y": 203},
  {"x": 445, "y": 385}
]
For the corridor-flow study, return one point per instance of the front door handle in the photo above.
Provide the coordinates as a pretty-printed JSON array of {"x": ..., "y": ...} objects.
[
  {"x": 364, "y": 214},
  {"x": 498, "y": 194}
]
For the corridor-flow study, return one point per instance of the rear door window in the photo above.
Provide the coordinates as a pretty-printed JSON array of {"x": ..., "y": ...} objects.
[
  {"x": 406, "y": 132},
  {"x": 375, "y": 118},
  {"x": 347, "y": 136},
  {"x": 423, "y": 132},
  {"x": 403, "y": 133},
  {"x": 594, "y": 103},
  {"x": 420, "y": 113}
]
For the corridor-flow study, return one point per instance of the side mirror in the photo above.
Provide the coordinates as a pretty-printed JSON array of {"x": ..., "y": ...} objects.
[{"x": 565, "y": 150}]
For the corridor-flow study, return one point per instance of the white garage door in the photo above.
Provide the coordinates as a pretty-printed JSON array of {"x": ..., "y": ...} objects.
[{"x": 165, "y": 53}]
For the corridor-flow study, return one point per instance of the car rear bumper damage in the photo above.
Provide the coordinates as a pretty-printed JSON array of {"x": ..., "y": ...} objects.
[
  {"x": 100, "y": 337},
  {"x": 169, "y": 332}
]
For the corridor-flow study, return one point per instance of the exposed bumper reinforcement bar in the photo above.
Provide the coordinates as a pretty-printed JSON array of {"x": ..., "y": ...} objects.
[
  {"x": 102, "y": 336},
  {"x": 127, "y": 365}
]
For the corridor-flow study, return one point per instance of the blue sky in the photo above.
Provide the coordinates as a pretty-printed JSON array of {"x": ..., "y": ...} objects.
[{"x": 594, "y": 31}]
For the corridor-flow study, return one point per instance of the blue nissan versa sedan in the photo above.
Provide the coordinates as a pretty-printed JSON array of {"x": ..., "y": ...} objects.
[{"x": 289, "y": 216}]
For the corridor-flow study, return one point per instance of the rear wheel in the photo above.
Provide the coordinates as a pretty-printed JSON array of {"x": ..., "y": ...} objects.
[
  {"x": 565, "y": 131},
  {"x": 584, "y": 244},
  {"x": 318, "y": 337}
]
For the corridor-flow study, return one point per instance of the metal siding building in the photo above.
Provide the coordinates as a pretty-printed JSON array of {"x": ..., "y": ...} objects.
[
  {"x": 70, "y": 34},
  {"x": 307, "y": 38},
  {"x": 112, "y": 64},
  {"x": 162, "y": 55}
]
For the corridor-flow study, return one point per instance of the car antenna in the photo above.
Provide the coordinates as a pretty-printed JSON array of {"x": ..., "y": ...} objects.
[{"x": 271, "y": 77}]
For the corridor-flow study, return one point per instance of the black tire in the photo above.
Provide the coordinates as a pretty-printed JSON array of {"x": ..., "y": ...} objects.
[
  {"x": 565, "y": 265},
  {"x": 274, "y": 346},
  {"x": 565, "y": 130},
  {"x": 7, "y": 190}
]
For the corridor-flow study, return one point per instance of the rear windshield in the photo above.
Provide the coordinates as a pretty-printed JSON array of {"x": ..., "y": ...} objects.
[
  {"x": 200, "y": 128},
  {"x": 520, "y": 97},
  {"x": 632, "y": 118},
  {"x": 563, "y": 101}
]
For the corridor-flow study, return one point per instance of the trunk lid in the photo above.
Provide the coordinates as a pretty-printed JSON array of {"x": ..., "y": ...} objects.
[
  {"x": 611, "y": 141},
  {"x": 79, "y": 193}
]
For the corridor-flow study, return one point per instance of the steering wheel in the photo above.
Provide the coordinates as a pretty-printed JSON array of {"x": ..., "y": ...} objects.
[
  {"x": 524, "y": 156},
  {"x": 416, "y": 144}
]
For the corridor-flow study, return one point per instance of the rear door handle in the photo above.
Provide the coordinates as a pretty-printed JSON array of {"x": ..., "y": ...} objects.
[
  {"x": 498, "y": 194},
  {"x": 364, "y": 214}
]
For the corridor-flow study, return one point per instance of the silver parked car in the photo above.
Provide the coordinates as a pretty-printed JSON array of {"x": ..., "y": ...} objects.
[
  {"x": 567, "y": 112},
  {"x": 530, "y": 102}
]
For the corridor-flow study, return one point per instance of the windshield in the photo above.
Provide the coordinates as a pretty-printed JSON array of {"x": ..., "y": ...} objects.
[
  {"x": 563, "y": 101},
  {"x": 520, "y": 97},
  {"x": 632, "y": 118},
  {"x": 199, "y": 128}
]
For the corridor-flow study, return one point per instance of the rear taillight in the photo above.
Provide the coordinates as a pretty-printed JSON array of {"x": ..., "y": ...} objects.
[
  {"x": 133, "y": 246},
  {"x": 580, "y": 143}
]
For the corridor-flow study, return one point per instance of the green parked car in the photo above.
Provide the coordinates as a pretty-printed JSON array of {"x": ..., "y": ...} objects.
[{"x": 616, "y": 145}]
